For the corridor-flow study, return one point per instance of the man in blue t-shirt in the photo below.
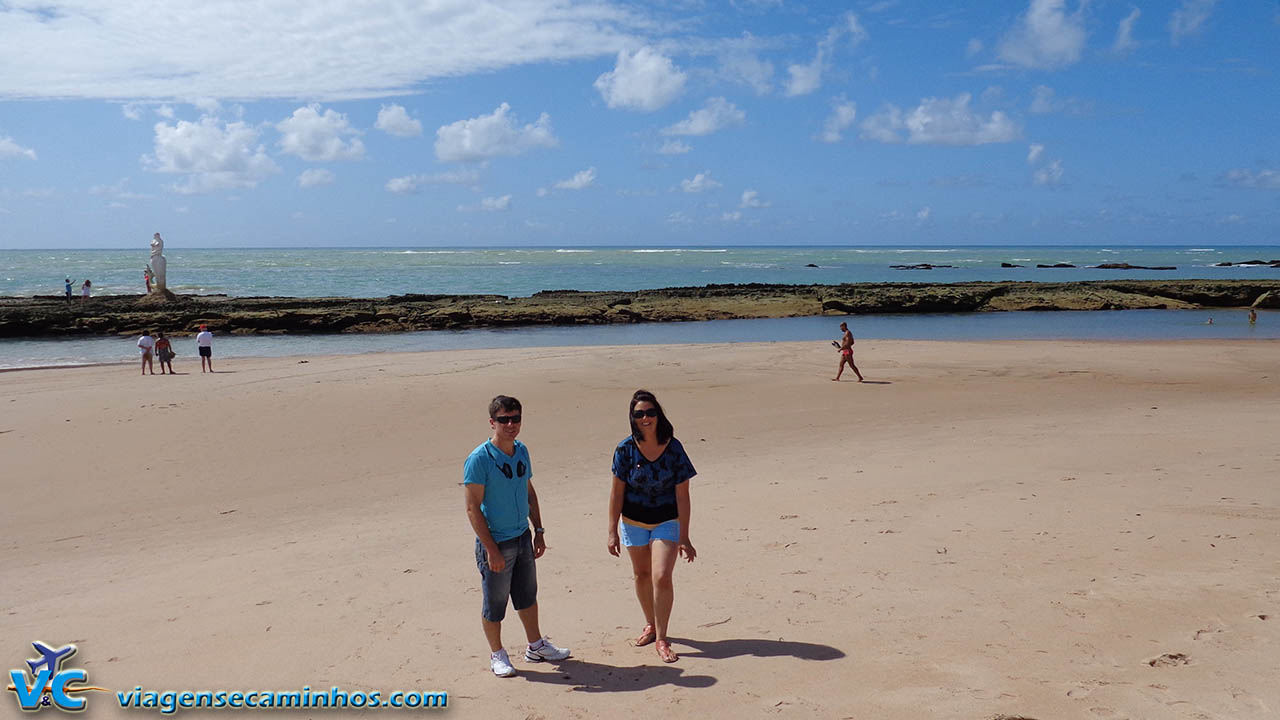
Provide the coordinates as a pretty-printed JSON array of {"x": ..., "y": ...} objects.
[{"x": 498, "y": 479}]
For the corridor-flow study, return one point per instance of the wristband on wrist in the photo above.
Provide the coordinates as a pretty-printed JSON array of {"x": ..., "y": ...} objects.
[{"x": 540, "y": 530}]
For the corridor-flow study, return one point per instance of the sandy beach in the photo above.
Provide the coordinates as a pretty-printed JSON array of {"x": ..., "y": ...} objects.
[{"x": 993, "y": 529}]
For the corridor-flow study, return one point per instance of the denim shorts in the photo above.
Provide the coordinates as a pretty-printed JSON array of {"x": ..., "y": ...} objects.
[
  {"x": 635, "y": 536},
  {"x": 518, "y": 580}
]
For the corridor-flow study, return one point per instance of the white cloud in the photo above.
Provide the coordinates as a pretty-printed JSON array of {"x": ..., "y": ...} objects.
[
  {"x": 674, "y": 147},
  {"x": 678, "y": 218},
  {"x": 207, "y": 105},
  {"x": 751, "y": 199},
  {"x": 414, "y": 183},
  {"x": 940, "y": 121},
  {"x": 807, "y": 77},
  {"x": 1043, "y": 101},
  {"x": 698, "y": 183},
  {"x": 1034, "y": 153},
  {"x": 1189, "y": 19},
  {"x": 843, "y": 113},
  {"x": 289, "y": 50},
  {"x": 973, "y": 47},
  {"x": 9, "y": 148},
  {"x": 1264, "y": 179},
  {"x": 318, "y": 137},
  {"x": 748, "y": 69},
  {"x": 645, "y": 80},
  {"x": 489, "y": 204},
  {"x": 582, "y": 179},
  {"x": 1046, "y": 36},
  {"x": 731, "y": 216},
  {"x": 1050, "y": 174},
  {"x": 717, "y": 114},
  {"x": 313, "y": 177},
  {"x": 1124, "y": 42},
  {"x": 924, "y": 213},
  {"x": 210, "y": 155},
  {"x": 165, "y": 110},
  {"x": 394, "y": 120},
  {"x": 133, "y": 111},
  {"x": 490, "y": 136}
]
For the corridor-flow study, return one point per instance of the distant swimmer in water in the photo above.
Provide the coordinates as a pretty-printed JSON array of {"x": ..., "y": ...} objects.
[
  {"x": 1253, "y": 316},
  {"x": 845, "y": 346},
  {"x": 1209, "y": 321}
]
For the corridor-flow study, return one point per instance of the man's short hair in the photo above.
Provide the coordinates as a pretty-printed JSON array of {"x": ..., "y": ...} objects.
[{"x": 503, "y": 402}]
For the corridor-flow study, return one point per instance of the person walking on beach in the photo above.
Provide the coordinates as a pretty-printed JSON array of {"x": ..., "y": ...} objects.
[
  {"x": 845, "y": 346},
  {"x": 649, "y": 514},
  {"x": 68, "y": 289},
  {"x": 145, "y": 345},
  {"x": 164, "y": 353},
  {"x": 84, "y": 290},
  {"x": 204, "y": 345},
  {"x": 500, "y": 500}
]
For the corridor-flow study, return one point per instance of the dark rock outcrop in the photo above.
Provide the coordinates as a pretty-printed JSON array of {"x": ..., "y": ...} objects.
[
  {"x": 1055, "y": 265},
  {"x": 1127, "y": 266},
  {"x": 128, "y": 315}
]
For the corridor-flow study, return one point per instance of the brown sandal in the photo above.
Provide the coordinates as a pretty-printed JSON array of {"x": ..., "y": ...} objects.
[
  {"x": 646, "y": 636},
  {"x": 666, "y": 653}
]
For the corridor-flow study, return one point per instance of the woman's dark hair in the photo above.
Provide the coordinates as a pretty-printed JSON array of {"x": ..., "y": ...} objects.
[
  {"x": 665, "y": 430},
  {"x": 503, "y": 402}
]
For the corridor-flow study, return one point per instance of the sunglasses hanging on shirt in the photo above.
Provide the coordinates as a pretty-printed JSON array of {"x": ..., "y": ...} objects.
[{"x": 506, "y": 467}]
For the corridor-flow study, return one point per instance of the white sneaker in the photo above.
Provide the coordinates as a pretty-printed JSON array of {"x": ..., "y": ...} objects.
[
  {"x": 501, "y": 664},
  {"x": 545, "y": 652}
]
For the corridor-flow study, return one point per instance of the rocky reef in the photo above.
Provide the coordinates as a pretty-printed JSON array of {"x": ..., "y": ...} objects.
[{"x": 128, "y": 315}]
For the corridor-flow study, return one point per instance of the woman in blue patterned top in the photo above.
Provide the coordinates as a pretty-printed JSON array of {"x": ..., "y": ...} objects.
[{"x": 649, "y": 513}]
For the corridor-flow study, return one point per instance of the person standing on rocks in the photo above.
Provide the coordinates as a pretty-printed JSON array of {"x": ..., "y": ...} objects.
[
  {"x": 845, "y": 346},
  {"x": 204, "y": 345},
  {"x": 84, "y": 290},
  {"x": 68, "y": 289}
]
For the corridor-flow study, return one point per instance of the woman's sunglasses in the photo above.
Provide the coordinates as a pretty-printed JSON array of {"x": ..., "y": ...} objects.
[
  {"x": 651, "y": 412},
  {"x": 504, "y": 419}
]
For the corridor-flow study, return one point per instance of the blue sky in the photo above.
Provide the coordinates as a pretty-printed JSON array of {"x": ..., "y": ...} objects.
[{"x": 472, "y": 122}]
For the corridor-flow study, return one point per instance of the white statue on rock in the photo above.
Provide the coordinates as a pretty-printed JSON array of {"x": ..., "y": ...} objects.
[{"x": 157, "y": 263}]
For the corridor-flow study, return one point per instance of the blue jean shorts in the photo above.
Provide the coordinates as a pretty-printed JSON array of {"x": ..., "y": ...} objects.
[
  {"x": 635, "y": 536},
  {"x": 518, "y": 580}
]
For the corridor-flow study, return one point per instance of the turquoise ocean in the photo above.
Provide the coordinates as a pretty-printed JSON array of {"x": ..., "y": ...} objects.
[{"x": 379, "y": 272}]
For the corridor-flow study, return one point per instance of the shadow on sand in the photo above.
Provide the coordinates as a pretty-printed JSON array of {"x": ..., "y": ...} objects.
[
  {"x": 583, "y": 676},
  {"x": 594, "y": 677},
  {"x": 757, "y": 647}
]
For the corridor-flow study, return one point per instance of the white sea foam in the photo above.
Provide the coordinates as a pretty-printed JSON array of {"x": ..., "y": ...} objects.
[
  {"x": 1201, "y": 250},
  {"x": 510, "y": 262},
  {"x": 565, "y": 250},
  {"x": 680, "y": 250}
]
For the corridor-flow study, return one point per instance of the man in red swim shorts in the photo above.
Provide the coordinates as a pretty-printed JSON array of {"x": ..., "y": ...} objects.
[{"x": 845, "y": 346}]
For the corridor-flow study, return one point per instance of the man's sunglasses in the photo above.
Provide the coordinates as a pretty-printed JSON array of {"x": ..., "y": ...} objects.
[
  {"x": 504, "y": 419},
  {"x": 506, "y": 467},
  {"x": 651, "y": 412}
]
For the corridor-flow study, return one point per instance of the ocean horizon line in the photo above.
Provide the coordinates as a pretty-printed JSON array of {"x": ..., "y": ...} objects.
[{"x": 676, "y": 246}]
